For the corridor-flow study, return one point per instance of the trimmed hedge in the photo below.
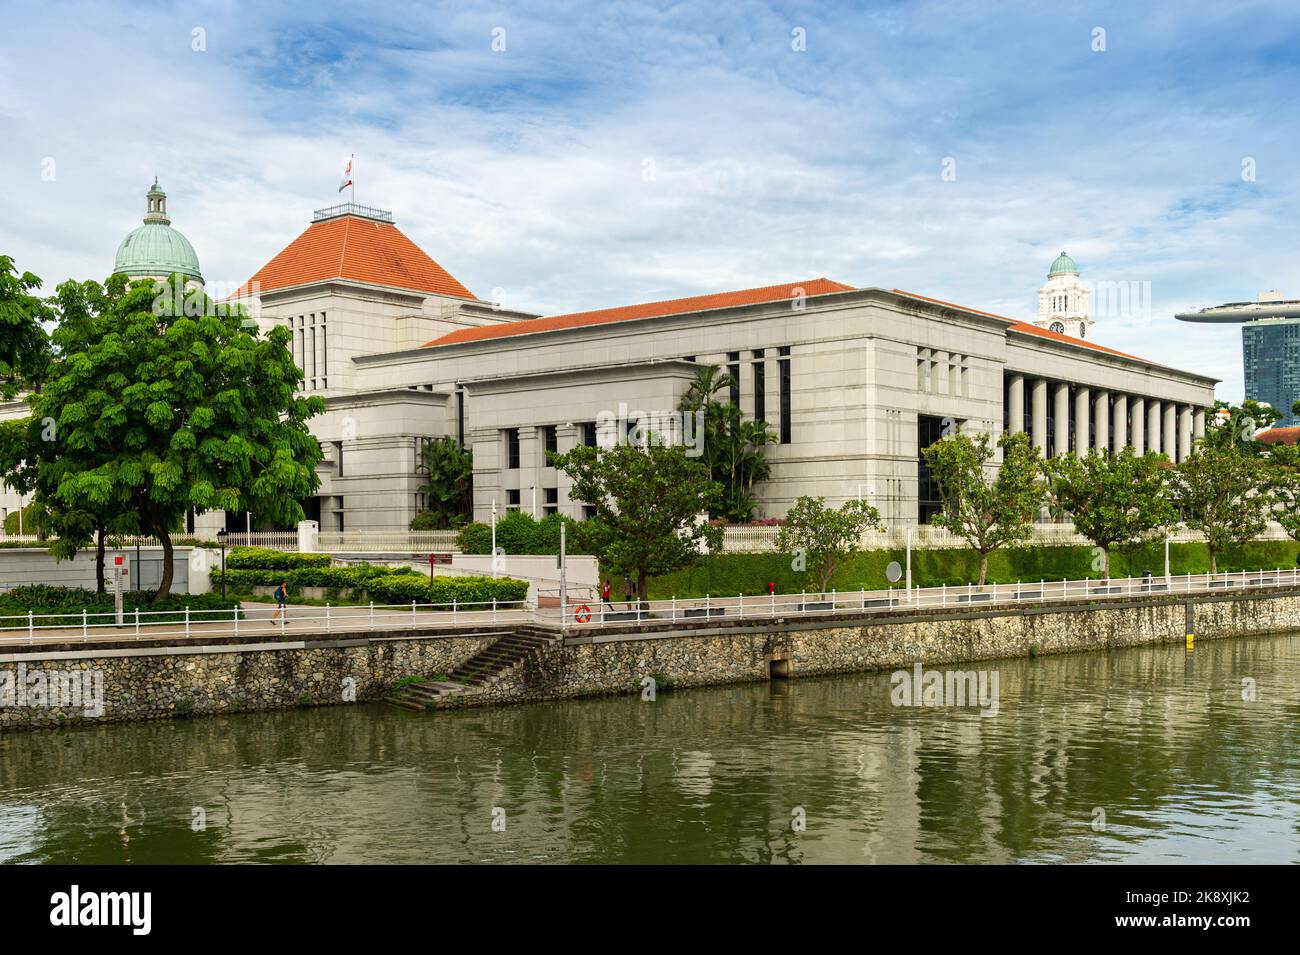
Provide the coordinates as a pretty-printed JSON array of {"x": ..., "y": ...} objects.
[
  {"x": 731, "y": 574},
  {"x": 446, "y": 590},
  {"x": 263, "y": 558},
  {"x": 44, "y": 599},
  {"x": 382, "y": 584},
  {"x": 518, "y": 533}
]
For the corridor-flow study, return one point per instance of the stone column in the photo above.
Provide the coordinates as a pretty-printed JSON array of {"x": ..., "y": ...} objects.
[
  {"x": 1169, "y": 439},
  {"x": 1198, "y": 424},
  {"x": 1016, "y": 405},
  {"x": 1038, "y": 408},
  {"x": 1082, "y": 409},
  {"x": 1138, "y": 437},
  {"x": 1184, "y": 432},
  {"x": 1061, "y": 411},
  {"x": 1120, "y": 414},
  {"x": 1153, "y": 426},
  {"x": 1101, "y": 421}
]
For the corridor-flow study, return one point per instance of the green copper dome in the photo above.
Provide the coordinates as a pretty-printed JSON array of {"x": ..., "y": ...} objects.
[
  {"x": 155, "y": 249},
  {"x": 1064, "y": 265}
]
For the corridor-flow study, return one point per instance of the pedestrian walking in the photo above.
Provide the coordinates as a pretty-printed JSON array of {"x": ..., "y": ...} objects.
[{"x": 281, "y": 601}]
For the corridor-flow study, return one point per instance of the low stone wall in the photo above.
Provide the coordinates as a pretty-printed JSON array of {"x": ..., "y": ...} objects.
[
  {"x": 230, "y": 674},
  {"x": 141, "y": 683},
  {"x": 612, "y": 662}
]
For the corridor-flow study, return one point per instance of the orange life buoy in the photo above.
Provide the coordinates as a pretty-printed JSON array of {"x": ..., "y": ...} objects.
[{"x": 582, "y": 614}]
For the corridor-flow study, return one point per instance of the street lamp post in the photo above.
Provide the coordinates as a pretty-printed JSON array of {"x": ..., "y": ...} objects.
[{"x": 221, "y": 538}]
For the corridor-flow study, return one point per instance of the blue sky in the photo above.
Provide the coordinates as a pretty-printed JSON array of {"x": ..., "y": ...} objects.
[{"x": 527, "y": 171}]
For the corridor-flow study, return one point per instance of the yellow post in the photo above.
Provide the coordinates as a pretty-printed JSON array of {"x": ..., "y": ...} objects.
[{"x": 1191, "y": 641}]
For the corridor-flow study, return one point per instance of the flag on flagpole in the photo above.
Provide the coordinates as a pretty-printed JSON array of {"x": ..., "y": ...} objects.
[{"x": 347, "y": 174}]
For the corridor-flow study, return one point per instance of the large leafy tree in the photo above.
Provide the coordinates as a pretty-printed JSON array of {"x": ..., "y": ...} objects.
[
  {"x": 986, "y": 511},
  {"x": 824, "y": 537},
  {"x": 160, "y": 409},
  {"x": 1283, "y": 475},
  {"x": 449, "y": 486},
  {"x": 23, "y": 344},
  {"x": 1235, "y": 426},
  {"x": 1222, "y": 491},
  {"x": 733, "y": 448},
  {"x": 1114, "y": 500},
  {"x": 648, "y": 500}
]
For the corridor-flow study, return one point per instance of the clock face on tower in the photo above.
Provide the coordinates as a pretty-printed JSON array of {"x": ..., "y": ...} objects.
[{"x": 1058, "y": 327}]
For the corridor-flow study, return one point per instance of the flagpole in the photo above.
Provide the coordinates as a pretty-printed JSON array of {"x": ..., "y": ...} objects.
[{"x": 353, "y": 184}]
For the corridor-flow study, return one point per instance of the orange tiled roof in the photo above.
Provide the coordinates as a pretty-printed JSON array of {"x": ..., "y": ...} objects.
[
  {"x": 677, "y": 306},
  {"x": 1279, "y": 436},
  {"x": 350, "y": 247},
  {"x": 1025, "y": 328}
]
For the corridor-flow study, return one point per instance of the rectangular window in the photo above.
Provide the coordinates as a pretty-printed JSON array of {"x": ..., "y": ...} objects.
[
  {"x": 929, "y": 429},
  {"x": 512, "y": 449},
  {"x": 733, "y": 369},
  {"x": 311, "y": 350},
  {"x": 338, "y": 458},
  {"x": 783, "y": 370},
  {"x": 588, "y": 512},
  {"x": 324, "y": 353},
  {"x": 589, "y": 435},
  {"x": 550, "y": 442},
  {"x": 760, "y": 386},
  {"x": 550, "y": 501},
  {"x": 339, "y": 512},
  {"x": 460, "y": 417},
  {"x": 512, "y": 499}
]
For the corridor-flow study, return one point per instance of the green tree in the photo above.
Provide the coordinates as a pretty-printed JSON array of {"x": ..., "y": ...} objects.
[
  {"x": 449, "y": 485},
  {"x": 24, "y": 346},
  {"x": 1114, "y": 500},
  {"x": 1222, "y": 490},
  {"x": 1236, "y": 425},
  {"x": 160, "y": 409},
  {"x": 1282, "y": 472},
  {"x": 732, "y": 448},
  {"x": 648, "y": 500},
  {"x": 824, "y": 537},
  {"x": 986, "y": 513}
]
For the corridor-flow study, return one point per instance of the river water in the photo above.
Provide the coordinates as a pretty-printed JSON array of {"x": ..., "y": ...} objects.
[{"x": 1145, "y": 755}]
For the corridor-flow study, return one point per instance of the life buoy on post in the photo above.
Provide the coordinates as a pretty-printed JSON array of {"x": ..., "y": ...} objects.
[{"x": 582, "y": 614}]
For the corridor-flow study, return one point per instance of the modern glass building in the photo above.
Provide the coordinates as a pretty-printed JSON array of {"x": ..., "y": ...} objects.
[{"x": 1270, "y": 348}]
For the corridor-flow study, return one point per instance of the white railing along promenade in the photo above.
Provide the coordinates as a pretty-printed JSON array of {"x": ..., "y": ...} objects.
[
  {"x": 575, "y": 615},
  {"x": 260, "y": 620}
]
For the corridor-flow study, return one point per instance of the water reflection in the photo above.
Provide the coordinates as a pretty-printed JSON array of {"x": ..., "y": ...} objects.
[{"x": 1158, "y": 740}]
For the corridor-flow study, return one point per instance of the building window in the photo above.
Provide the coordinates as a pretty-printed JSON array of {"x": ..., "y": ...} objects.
[
  {"x": 590, "y": 437},
  {"x": 550, "y": 443},
  {"x": 733, "y": 369},
  {"x": 760, "y": 385},
  {"x": 783, "y": 370},
  {"x": 512, "y": 448},
  {"x": 460, "y": 416},
  {"x": 588, "y": 512},
  {"x": 512, "y": 499},
  {"x": 338, "y": 458},
  {"x": 550, "y": 501},
  {"x": 929, "y": 429}
]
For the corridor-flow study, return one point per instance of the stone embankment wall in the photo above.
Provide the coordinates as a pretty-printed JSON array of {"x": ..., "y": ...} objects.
[
  {"x": 141, "y": 683},
  {"x": 144, "y": 681},
  {"x": 735, "y": 651}
]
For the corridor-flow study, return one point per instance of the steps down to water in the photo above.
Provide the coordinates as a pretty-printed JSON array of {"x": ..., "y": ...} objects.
[{"x": 478, "y": 671}]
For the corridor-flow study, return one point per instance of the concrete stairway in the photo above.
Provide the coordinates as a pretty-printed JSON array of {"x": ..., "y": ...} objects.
[{"x": 478, "y": 671}]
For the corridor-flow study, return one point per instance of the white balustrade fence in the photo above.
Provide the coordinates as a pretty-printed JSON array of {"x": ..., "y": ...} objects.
[{"x": 573, "y": 616}]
